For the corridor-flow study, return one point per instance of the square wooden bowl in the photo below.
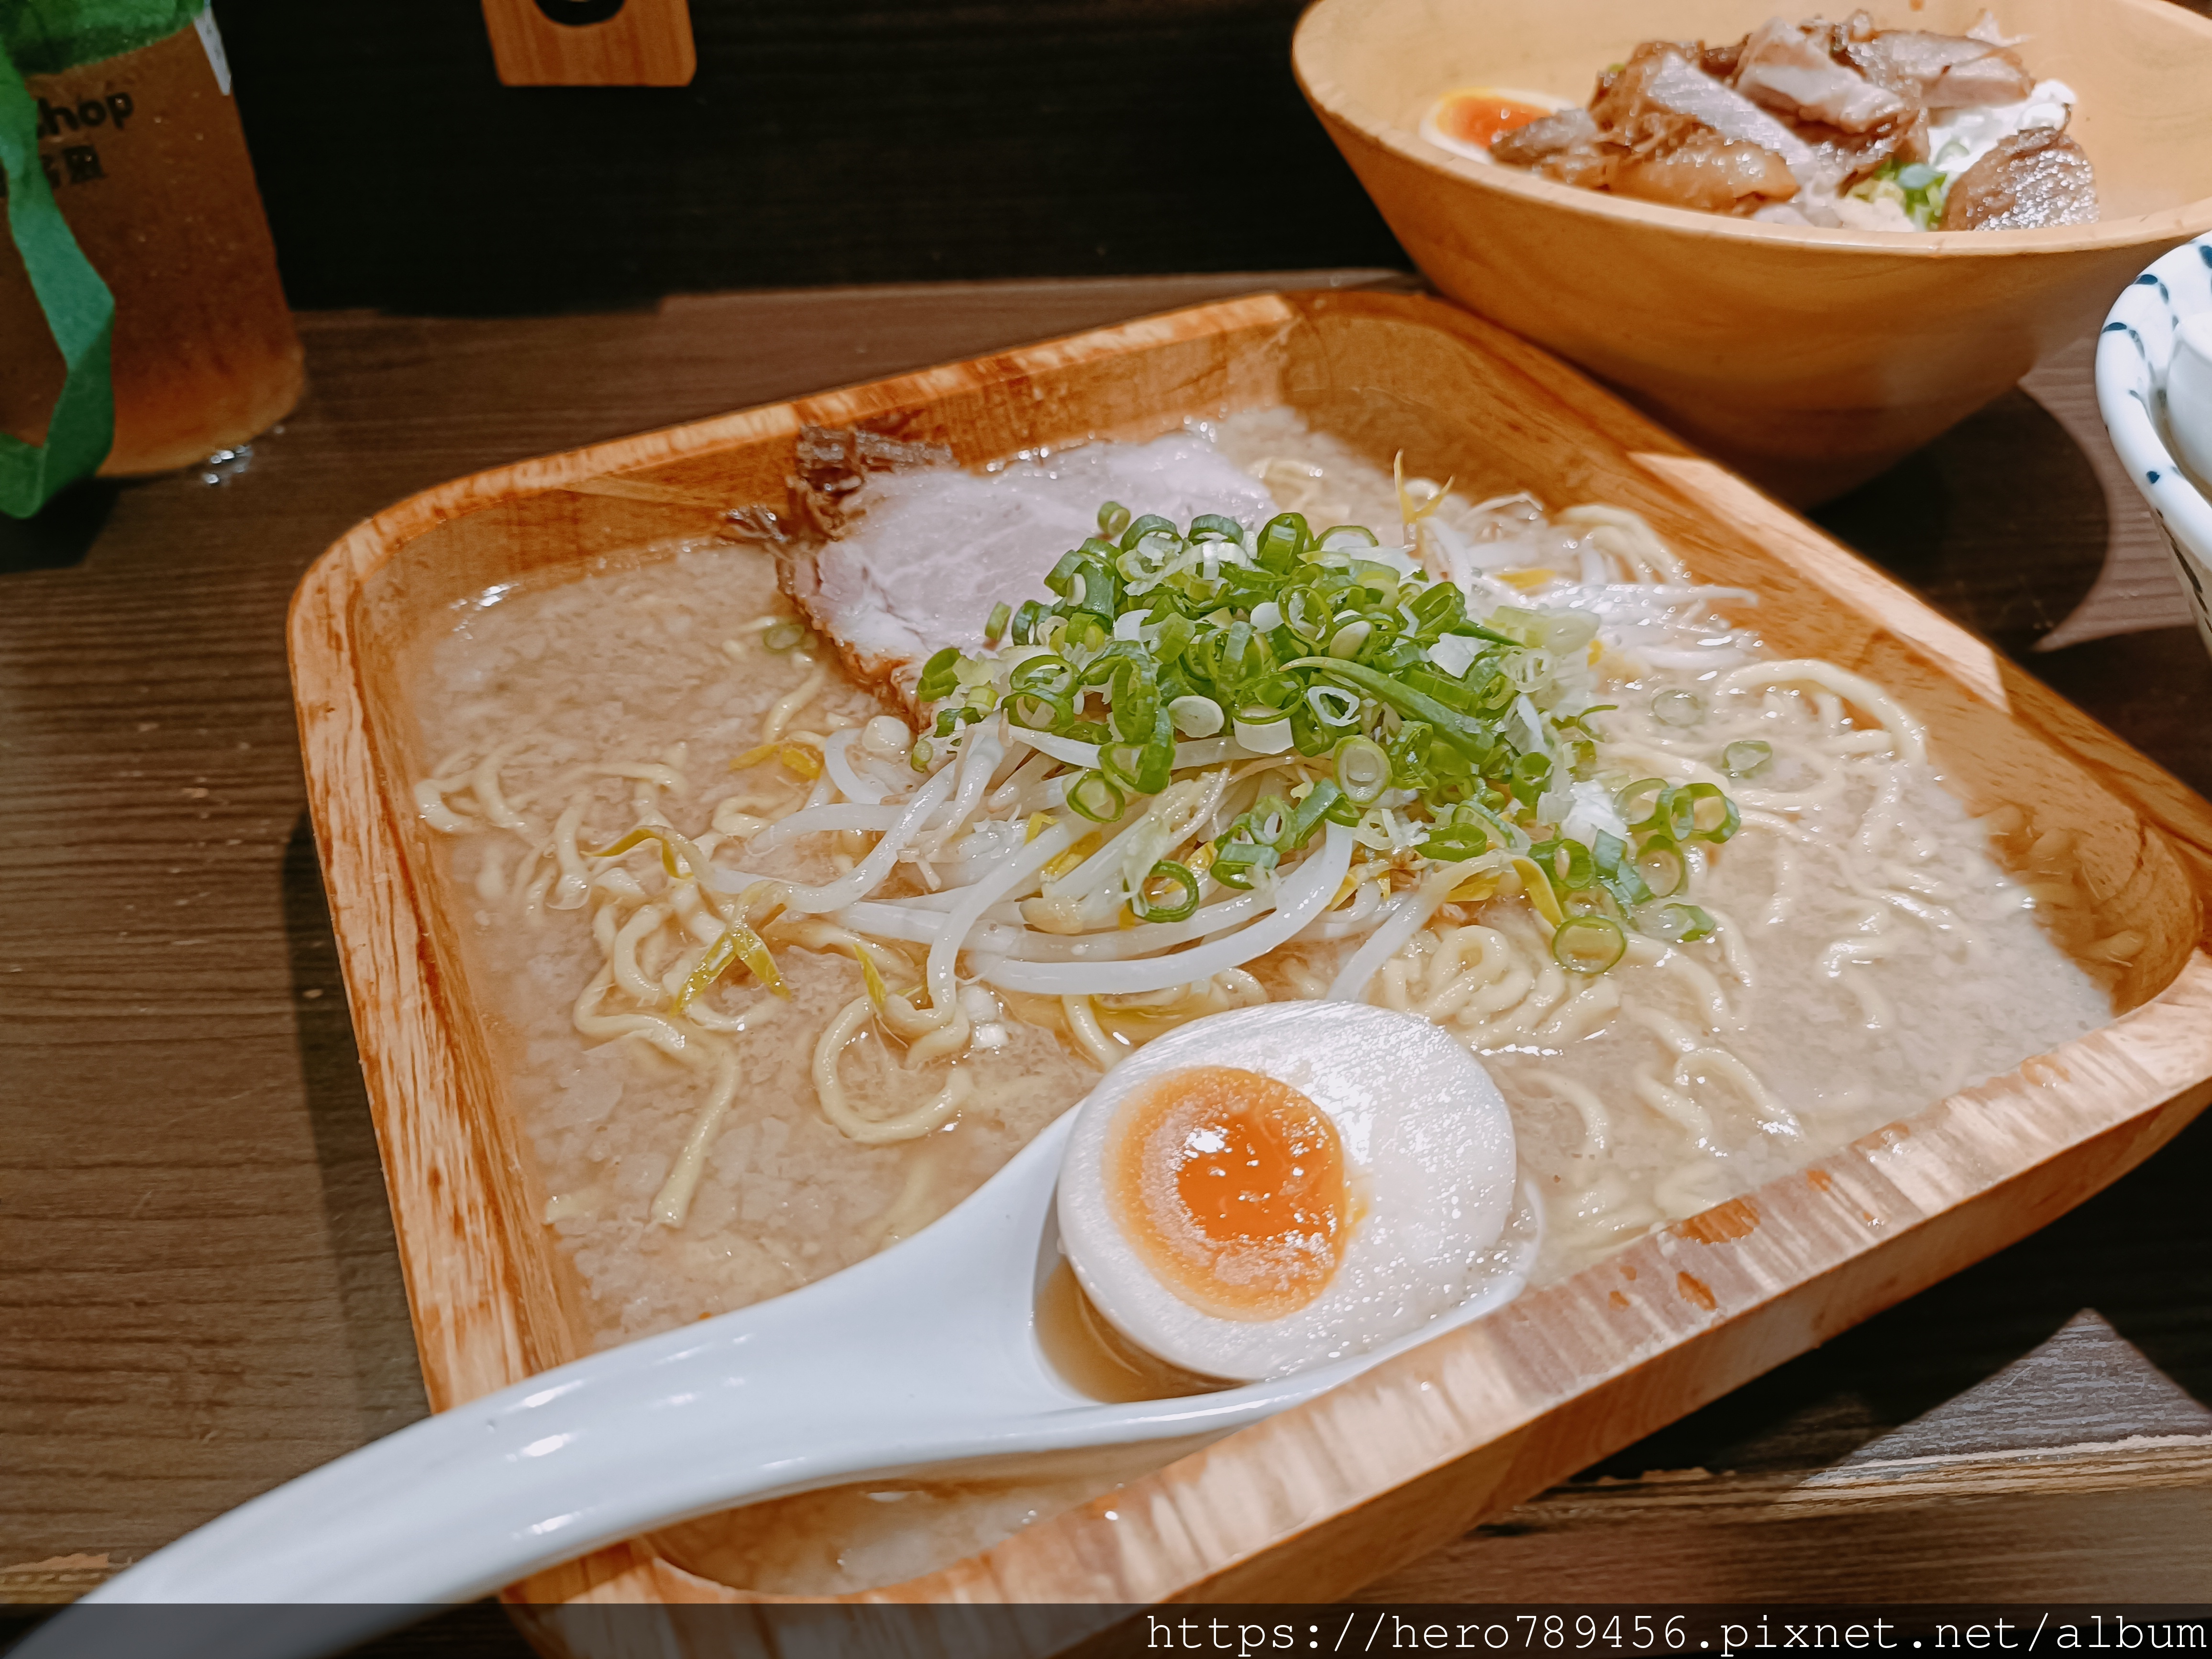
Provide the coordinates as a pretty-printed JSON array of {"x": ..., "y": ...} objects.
[{"x": 1316, "y": 1501}]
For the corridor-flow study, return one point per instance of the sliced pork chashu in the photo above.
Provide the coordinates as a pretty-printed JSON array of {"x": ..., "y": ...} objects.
[
  {"x": 1787, "y": 67},
  {"x": 1781, "y": 124},
  {"x": 2037, "y": 177},
  {"x": 915, "y": 558}
]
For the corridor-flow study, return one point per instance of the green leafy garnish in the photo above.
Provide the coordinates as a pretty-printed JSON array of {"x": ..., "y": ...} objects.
[
  {"x": 1433, "y": 735},
  {"x": 1918, "y": 189}
]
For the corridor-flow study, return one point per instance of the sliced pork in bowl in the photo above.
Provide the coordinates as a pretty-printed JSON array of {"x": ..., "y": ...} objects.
[{"x": 1809, "y": 245}]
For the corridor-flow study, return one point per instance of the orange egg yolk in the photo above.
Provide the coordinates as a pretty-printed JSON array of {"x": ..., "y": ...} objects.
[
  {"x": 1231, "y": 1188},
  {"x": 1483, "y": 117}
]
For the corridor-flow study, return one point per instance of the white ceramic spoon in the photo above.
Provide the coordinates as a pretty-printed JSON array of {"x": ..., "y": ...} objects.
[{"x": 924, "y": 1355}]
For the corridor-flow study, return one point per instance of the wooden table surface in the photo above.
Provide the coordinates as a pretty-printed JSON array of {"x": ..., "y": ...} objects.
[{"x": 199, "y": 1296}]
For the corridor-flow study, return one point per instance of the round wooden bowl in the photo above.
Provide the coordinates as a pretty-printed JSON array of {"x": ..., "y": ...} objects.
[{"x": 1808, "y": 359}]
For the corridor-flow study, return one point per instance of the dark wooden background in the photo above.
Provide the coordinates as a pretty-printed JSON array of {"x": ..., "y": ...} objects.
[{"x": 823, "y": 141}]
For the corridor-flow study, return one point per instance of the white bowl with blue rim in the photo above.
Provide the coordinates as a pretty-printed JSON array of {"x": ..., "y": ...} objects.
[{"x": 2154, "y": 390}]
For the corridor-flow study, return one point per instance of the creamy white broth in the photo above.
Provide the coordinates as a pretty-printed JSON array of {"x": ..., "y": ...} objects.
[
  {"x": 632, "y": 669},
  {"x": 1871, "y": 956}
]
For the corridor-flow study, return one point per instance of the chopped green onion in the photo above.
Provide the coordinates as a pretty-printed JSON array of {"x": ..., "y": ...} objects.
[
  {"x": 1049, "y": 676},
  {"x": 1238, "y": 864},
  {"x": 1529, "y": 670},
  {"x": 1677, "y": 924},
  {"x": 1176, "y": 631},
  {"x": 1324, "y": 801},
  {"x": 1567, "y": 863},
  {"x": 1034, "y": 711},
  {"x": 1281, "y": 541},
  {"x": 1262, "y": 731},
  {"x": 1140, "y": 902},
  {"x": 1660, "y": 862},
  {"x": 1268, "y": 695},
  {"x": 1268, "y": 821},
  {"x": 1530, "y": 774},
  {"x": 1306, "y": 611},
  {"x": 1680, "y": 814},
  {"x": 1461, "y": 838},
  {"x": 1716, "y": 827},
  {"x": 1332, "y": 705},
  {"x": 938, "y": 676},
  {"x": 782, "y": 636},
  {"x": 1138, "y": 529},
  {"x": 1569, "y": 631},
  {"x": 1363, "y": 770},
  {"x": 1196, "y": 717},
  {"x": 1616, "y": 872},
  {"x": 1468, "y": 734},
  {"x": 1746, "y": 755},
  {"x": 1345, "y": 535},
  {"x": 1589, "y": 945},
  {"x": 1675, "y": 816},
  {"x": 1145, "y": 768},
  {"x": 921, "y": 754},
  {"x": 1290, "y": 641},
  {"x": 1096, "y": 798}
]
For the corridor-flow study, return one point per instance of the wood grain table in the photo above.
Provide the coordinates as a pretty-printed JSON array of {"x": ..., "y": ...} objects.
[{"x": 199, "y": 1296}]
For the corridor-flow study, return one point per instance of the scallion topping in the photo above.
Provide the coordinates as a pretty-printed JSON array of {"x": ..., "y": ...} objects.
[
  {"x": 1034, "y": 711},
  {"x": 939, "y": 676},
  {"x": 1746, "y": 755},
  {"x": 1588, "y": 944},
  {"x": 1096, "y": 798},
  {"x": 1712, "y": 816},
  {"x": 1660, "y": 864},
  {"x": 1363, "y": 770},
  {"x": 1370, "y": 681},
  {"x": 1195, "y": 716},
  {"x": 1241, "y": 864},
  {"x": 1638, "y": 803},
  {"x": 1178, "y": 900},
  {"x": 1678, "y": 924}
]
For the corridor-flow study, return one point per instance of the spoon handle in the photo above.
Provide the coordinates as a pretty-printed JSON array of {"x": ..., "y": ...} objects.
[
  {"x": 459, "y": 1504},
  {"x": 915, "y": 1357}
]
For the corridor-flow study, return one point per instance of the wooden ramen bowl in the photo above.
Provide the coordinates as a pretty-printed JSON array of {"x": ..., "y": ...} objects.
[
  {"x": 1315, "y": 1502},
  {"x": 1808, "y": 359}
]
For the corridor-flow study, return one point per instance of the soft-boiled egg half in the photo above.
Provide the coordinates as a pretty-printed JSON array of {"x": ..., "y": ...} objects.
[
  {"x": 1265, "y": 1190},
  {"x": 1469, "y": 120}
]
